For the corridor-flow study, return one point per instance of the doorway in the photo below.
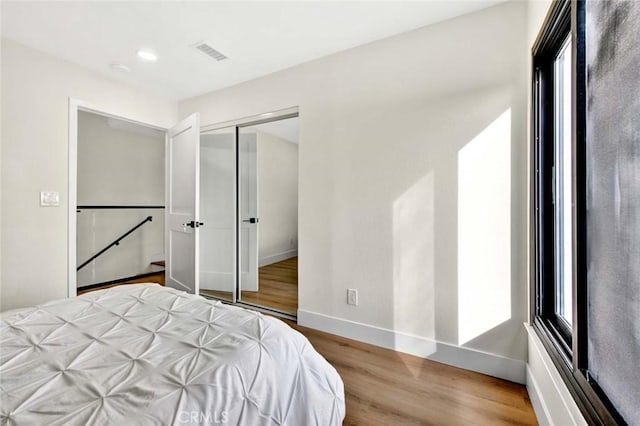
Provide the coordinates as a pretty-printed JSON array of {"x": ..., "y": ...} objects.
[
  {"x": 120, "y": 197},
  {"x": 116, "y": 199},
  {"x": 249, "y": 203}
]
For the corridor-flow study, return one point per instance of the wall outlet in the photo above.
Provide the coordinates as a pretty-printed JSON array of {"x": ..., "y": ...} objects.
[{"x": 352, "y": 296}]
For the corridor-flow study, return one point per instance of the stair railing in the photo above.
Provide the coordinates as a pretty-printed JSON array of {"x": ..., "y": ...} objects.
[{"x": 115, "y": 243}]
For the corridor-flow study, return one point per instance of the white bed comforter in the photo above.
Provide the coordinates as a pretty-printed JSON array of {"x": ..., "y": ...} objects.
[{"x": 144, "y": 354}]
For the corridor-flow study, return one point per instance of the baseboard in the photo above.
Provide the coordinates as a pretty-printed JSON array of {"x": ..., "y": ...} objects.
[
  {"x": 278, "y": 257},
  {"x": 537, "y": 401},
  {"x": 446, "y": 353}
]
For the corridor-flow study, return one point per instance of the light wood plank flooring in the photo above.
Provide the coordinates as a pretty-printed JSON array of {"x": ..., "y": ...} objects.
[
  {"x": 384, "y": 387},
  {"x": 156, "y": 278},
  {"x": 278, "y": 287}
]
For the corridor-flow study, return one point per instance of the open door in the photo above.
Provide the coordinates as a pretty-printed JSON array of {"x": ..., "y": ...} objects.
[{"x": 182, "y": 205}]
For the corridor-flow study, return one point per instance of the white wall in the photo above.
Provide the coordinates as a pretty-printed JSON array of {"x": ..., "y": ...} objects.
[
  {"x": 97, "y": 228},
  {"x": 35, "y": 95},
  {"x": 383, "y": 132},
  {"x": 118, "y": 162},
  {"x": 1, "y": 172},
  {"x": 277, "y": 198}
]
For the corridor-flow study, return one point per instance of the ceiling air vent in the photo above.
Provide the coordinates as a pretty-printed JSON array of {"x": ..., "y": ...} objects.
[{"x": 209, "y": 51}]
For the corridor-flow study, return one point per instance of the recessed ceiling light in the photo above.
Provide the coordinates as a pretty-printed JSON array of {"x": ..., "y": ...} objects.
[
  {"x": 147, "y": 55},
  {"x": 120, "y": 68}
]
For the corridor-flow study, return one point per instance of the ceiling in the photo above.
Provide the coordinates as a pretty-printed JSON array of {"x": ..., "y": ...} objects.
[{"x": 257, "y": 37}]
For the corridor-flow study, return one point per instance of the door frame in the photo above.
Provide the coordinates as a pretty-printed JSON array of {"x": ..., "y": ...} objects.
[
  {"x": 76, "y": 105},
  {"x": 252, "y": 120}
]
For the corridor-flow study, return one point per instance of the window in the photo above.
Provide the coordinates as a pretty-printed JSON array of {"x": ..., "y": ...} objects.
[
  {"x": 554, "y": 182},
  {"x": 562, "y": 185},
  {"x": 586, "y": 317}
]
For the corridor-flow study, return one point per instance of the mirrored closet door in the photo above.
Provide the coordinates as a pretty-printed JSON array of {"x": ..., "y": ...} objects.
[
  {"x": 268, "y": 205},
  {"x": 249, "y": 202},
  {"x": 218, "y": 212}
]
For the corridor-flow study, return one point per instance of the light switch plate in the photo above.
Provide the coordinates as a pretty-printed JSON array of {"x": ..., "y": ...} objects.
[
  {"x": 49, "y": 198},
  {"x": 352, "y": 296}
]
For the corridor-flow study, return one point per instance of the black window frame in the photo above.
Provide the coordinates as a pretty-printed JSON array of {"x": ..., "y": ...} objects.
[
  {"x": 567, "y": 346},
  {"x": 545, "y": 54}
]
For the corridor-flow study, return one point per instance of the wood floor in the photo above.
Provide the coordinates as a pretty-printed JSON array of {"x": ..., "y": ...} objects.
[
  {"x": 278, "y": 287},
  {"x": 156, "y": 278},
  {"x": 384, "y": 387}
]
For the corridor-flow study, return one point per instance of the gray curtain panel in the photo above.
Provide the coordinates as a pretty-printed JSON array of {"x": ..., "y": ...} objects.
[{"x": 613, "y": 201}]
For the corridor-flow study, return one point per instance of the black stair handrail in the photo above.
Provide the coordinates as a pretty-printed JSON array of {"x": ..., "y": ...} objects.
[{"x": 115, "y": 243}]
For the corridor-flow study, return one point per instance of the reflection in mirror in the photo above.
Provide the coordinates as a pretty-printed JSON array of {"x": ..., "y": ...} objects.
[
  {"x": 268, "y": 194},
  {"x": 217, "y": 211}
]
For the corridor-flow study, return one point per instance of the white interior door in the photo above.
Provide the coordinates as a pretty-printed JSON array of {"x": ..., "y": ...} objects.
[
  {"x": 249, "y": 220},
  {"x": 182, "y": 205}
]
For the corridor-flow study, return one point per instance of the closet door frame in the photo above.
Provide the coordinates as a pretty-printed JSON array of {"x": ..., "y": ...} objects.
[{"x": 282, "y": 114}]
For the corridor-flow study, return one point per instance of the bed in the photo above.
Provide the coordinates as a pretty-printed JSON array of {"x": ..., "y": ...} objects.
[{"x": 146, "y": 354}]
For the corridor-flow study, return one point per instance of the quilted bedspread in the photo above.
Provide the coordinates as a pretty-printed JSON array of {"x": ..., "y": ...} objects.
[{"x": 145, "y": 354}]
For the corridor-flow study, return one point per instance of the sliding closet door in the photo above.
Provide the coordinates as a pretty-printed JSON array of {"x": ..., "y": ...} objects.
[
  {"x": 268, "y": 214},
  {"x": 218, "y": 211},
  {"x": 249, "y": 220},
  {"x": 232, "y": 247}
]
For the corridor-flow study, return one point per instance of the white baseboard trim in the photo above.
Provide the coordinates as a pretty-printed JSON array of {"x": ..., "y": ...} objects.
[
  {"x": 446, "y": 353},
  {"x": 278, "y": 257},
  {"x": 537, "y": 401}
]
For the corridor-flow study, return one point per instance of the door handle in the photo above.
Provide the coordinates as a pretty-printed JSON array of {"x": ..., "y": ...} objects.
[
  {"x": 252, "y": 220},
  {"x": 193, "y": 224}
]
